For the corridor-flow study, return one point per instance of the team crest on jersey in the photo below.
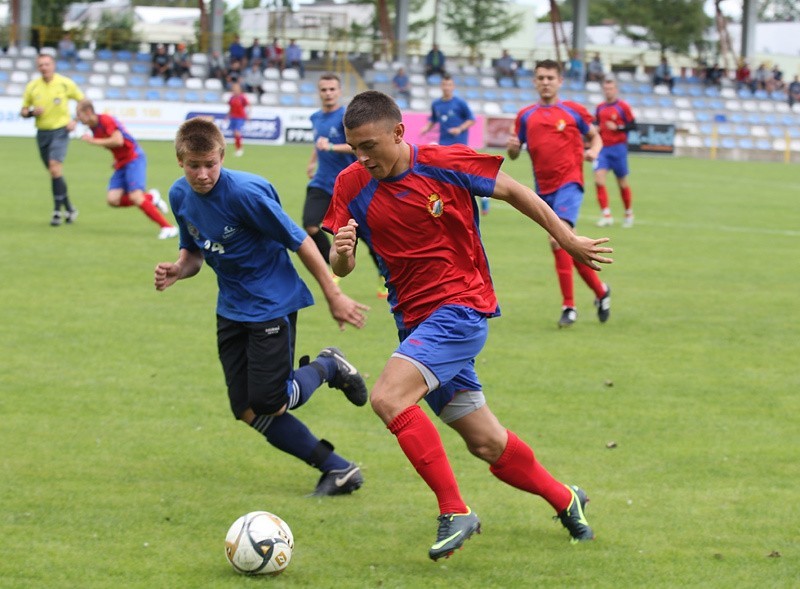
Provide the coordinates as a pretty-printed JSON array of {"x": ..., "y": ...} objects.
[
  {"x": 435, "y": 205},
  {"x": 561, "y": 125},
  {"x": 193, "y": 231}
]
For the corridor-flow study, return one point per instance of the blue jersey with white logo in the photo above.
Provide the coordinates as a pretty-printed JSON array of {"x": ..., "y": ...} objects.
[
  {"x": 450, "y": 114},
  {"x": 329, "y": 164},
  {"x": 243, "y": 234}
]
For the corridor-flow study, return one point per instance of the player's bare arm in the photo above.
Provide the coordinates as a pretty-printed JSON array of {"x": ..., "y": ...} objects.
[
  {"x": 583, "y": 249},
  {"x": 168, "y": 273},
  {"x": 595, "y": 144},
  {"x": 343, "y": 309},
  {"x": 343, "y": 252},
  {"x": 116, "y": 140}
]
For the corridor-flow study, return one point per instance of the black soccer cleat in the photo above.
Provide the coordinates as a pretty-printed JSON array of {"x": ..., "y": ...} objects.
[
  {"x": 573, "y": 517},
  {"x": 347, "y": 379},
  {"x": 56, "y": 219},
  {"x": 568, "y": 316},
  {"x": 454, "y": 530},
  {"x": 339, "y": 482},
  {"x": 603, "y": 305}
]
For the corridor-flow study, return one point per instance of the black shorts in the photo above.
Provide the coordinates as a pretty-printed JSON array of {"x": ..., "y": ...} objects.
[
  {"x": 257, "y": 359},
  {"x": 52, "y": 144},
  {"x": 317, "y": 203}
]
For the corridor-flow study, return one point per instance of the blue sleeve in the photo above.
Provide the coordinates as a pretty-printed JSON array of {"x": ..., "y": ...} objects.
[{"x": 261, "y": 209}]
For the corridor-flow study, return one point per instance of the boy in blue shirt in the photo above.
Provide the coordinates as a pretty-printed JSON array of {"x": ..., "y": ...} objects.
[{"x": 234, "y": 221}]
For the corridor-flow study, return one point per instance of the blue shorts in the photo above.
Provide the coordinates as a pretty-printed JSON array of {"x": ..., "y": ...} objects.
[
  {"x": 614, "y": 158},
  {"x": 446, "y": 344},
  {"x": 236, "y": 125},
  {"x": 566, "y": 202},
  {"x": 131, "y": 176}
]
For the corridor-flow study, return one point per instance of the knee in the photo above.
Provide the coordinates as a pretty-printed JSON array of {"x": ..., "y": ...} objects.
[
  {"x": 384, "y": 407},
  {"x": 112, "y": 201},
  {"x": 487, "y": 449}
]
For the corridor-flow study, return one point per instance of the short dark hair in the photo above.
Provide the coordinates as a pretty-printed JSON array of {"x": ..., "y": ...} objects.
[
  {"x": 370, "y": 107},
  {"x": 330, "y": 76},
  {"x": 548, "y": 64}
]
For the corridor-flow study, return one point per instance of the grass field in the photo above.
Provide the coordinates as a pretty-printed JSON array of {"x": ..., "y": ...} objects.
[{"x": 122, "y": 467}]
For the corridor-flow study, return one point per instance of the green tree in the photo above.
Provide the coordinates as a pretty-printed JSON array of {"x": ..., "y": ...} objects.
[
  {"x": 597, "y": 13},
  {"x": 115, "y": 30},
  {"x": 49, "y": 13},
  {"x": 476, "y": 22},
  {"x": 779, "y": 11},
  {"x": 668, "y": 25}
]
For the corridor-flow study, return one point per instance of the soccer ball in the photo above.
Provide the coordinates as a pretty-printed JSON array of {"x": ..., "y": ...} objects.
[{"x": 259, "y": 543}]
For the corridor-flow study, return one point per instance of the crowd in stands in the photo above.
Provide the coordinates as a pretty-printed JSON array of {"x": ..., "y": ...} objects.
[{"x": 246, "y": 65}]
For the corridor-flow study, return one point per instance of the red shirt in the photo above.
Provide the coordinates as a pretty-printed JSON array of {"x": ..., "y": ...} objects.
[
  {"x": 617, "y": 112},
  {"x": 423, "y": 226},
  {"x": 554, "y": 136},
  {"x": 238, "y": 104},
  {"x": 128, "y": 151}
]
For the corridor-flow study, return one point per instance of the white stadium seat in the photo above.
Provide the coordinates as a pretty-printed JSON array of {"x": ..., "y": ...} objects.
[
  {"x": 194, "y": 84},
  {"x": 19, "y": 77},
  {"x": 117, "y": 80},
  {"x": 213, "y": 84}
]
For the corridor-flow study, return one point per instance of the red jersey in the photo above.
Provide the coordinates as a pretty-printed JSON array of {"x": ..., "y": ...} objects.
[
  {"x": 423, "y": 227},
  {"x": 128, "y": 151},
  {"x": 618, "y": 112},
  {"x": 554, "y": 136},
  {"x": 238, "y": 104}
]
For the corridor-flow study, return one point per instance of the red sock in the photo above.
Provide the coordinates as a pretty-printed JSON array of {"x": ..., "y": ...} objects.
[
  {"x": 627, "y": 197},
  {"x": 149, "y": 209},
  {"x": 125, "y": 201},
  {"x": 423, "y": 447},
  {"x": 518, "y": 467},
  {"x": 564, "y": 271},
  {"x": 602, "y": 197},
  {"x": 148, "y": 197},
  {"x": 591, "y": 278},
  {"x": 237, "y": 141}
]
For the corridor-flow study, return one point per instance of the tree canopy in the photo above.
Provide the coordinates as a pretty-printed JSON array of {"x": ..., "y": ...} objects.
[{"x": 476, "y": 22}]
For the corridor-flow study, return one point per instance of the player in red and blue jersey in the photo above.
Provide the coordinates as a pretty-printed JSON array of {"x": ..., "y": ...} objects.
[
  {"x": 234, "y": 221},
  {"x": 237, "y": 115},
  {"x": 127, "y": 185},
  {"x": 615, "y": 120},
  {"x": 554, "y": 131},
  {"x": 414, "y": 206}
]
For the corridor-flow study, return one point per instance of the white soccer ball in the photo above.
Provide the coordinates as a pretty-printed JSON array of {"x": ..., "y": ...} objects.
[{"x": 259, "y": 543}]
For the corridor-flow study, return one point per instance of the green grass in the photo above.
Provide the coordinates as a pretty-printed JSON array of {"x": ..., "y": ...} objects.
[{"x": 122, "y": 467}]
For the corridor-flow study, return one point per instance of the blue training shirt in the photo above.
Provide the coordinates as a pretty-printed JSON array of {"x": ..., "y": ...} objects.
[
  {"x": 449, "y": 114},
  {"x": 329, "y": 164},
  {"x": 243, "y": 234}
]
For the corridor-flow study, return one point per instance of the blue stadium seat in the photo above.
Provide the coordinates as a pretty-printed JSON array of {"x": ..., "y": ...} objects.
[
  {"x": 113, "y": 93},
  {"x": 626, "y": 88},
  {"x": 124, "y": 55},
  {"x": 720, "y": 118},
  {"x": 308, "y": 100},
  {"x": 508, "y": 95},
  {"x": 402, "y": 103},
  {"x": 288, "y": 100},
  {"x": 490, "y": 95},
  {"x": 761, "y": 94},
  {"x": 763, "y": 144},
  {"x": 777, "y": 132},
  {"x": 79, "y": 79},
  {"x": 742, "y": 131},
  {"x": 155, "y": 82},
  {"x": 133, "y": 94},
  {"x": 746, "y": 143},
  {"x": 728, "y": 143},
  {"x": 778, "y": 95},
  {"x": 153, "y": 95},
  {"x": 63, "y": 65},
  {"x": 308, "y": 87},
  {"x": 506, "y": 83},
  {"x": 140, "y": 68},
  {"x": 173, "y": 96},
  {"x": 509, "y": 108},
  {"x": 105, "y": 55},
  {"x": 702, "y": 117},
  {"x": 788, "y": 120},
  {"x": 211, "y": 96},
  {"x": 3, "y": 76},
  {"x": 434, "y": 80},
  {"x": 724, "y": 129},
  {"x": 83, "y": 66},
  {"x": 175, "y": 83},
  {"x": 680, "y": 91},
  {"x": 381, "y": 78},
  {"x": 744, "y": 93},
  {"x": 770, "y": 119},
  {"x": 666, "y": 102},
  {"x": 754, "y": 119},
  {"x": 144, "y": 57},
  {"x": 699, "y": 103},
  {"x": 706, "y": 129},
  {"x": 471, "y": 82},
  {"x": 645, "y": 89},
  {"x": 472, "y": 94},
  {"x": 736, "y": 117},
  {"x": 136, "y": 81},
  {"x": 716, "y": 104},
  {"x": 794, "y": 133},
  {"x": 712, "y": 92},
  {"x": 525, "y": 83},
  {"x": 648, "y": 101},
  {"x": 695, "y": 91},
  {"x": 191, "y": 96}
]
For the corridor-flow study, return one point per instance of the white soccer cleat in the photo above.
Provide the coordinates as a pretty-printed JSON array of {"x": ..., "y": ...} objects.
[
  {"x": 168, "y": 232},
  {"x": 239, "y": 152},
  {"x": 158, "y": 201},
  {"x": 628, "y": 222},
  {"x": 605, "y": 221}
]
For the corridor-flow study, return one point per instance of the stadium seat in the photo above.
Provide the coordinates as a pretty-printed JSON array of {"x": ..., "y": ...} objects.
[
  {"x": 142, "y": 57},
  {"x": 173, "y": 96},
  {"x": 6, "y": 63},
  {"x": 85, "y": 54},
  {"x": 3, "y": 76},
  {"x": 101, "y": 67},
  {"x": 25, "y": 64},
  {"x": 380, "y": 65},
  {"x": 509, "y": 108},
  {"x": 434, "y": 80},
  {"x": 744, "y": 93},
  {"x": 736, "y": 117},
  {"x": 712, "y": 92},
  {"x": 31, "y": 52},
  {"x": 307, "y": 100},
  {"x": 378, "y": 77},
  {"x": 728, "y": 143},
  {"x": 113, "y": 94},
  {"x": 155, "y": 82},
  {"x": 176, "y": 83},
  {"x": 211, "y": 96},
  {"x": 133, "y": 94},
  {"x": 191, "y": 96},
  {"x": 117, "y": 80},
  {"x": 269, "y": 99},
  {"x": 471, "y": 82},
  {"x": 308, "y": 87},
  {"x": 506, "y": 83},
  {"x": 763, "y": 144},
  {"x": 121, "y": 67},
  {"x": 152, "y": 95},
  {"x": 472, "y": 94},
  {"x": 402, "y": 103},
  {"x": 492, "y": 108},
  {"x": 525, "y": 83},
  {"x": 213, "y": 84},
  {"x": 97, "y": 80},
  {"x": 716, "y": 104},
  {"x": 194, "y": 83},
  {"x": 140, "y": 68},
  {"x": 270, "y": 86},
  {"x": 421, "y": 105},
  {"x": 434, "y": 92},
  {"x": 94, "y": 93},
  {"x": 83, "y": 66},
  {"x": 79, "y": 79},
  {"x": 761, "y": 95},
  {"x": 289, "y": 87},
  {"x": 105, "y": 54},
  {"x": 124, "y": 55},
  {"x": 742, "y": 131},
  {"x": 293, "y": 74},
  {"x": 199, "y": 59},
  {"x": 272, "y": 73},
  {"x": 18, "y": 77},
  {"x": 136, "y": 81},
  {"x": 15, "y": 89},
  {"x": 288, "y": 100}
]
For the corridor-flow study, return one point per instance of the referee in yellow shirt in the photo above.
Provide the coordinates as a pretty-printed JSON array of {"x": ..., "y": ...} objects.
[{"x": 47, "y": 100}]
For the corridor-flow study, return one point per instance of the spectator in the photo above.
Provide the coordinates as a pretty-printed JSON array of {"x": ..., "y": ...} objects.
[
  {"x": 575, "y": 71},
  {"x": 236, "y": 51},
  {"x": 762, "y": 78},
  {"x": 234, "y": 74},
  {"x": 777, "y": 78},
  {"x": 714, "y": 75},
  {"x": 594, "y": 71},
  {"x": 275, "y": 55},
  {"x": 401, "y": 84},
  {"x": 294, "y": 58},
  {"x": 794, "y": 91},
  {"x": 216, "y": 66},
  {"x": 180, "y": 62},
  {"x": 434, "y": 62},
  {"x": 505, "y": 67},
  {"x": 663, "y": 75},
  {"x": 743, "y": 77},
  {"x": 253, "y": 78},
  {"x": 161, "y": 63},
  {"x": 256, "y": 53},
  {"x": 67, "y": 49}
]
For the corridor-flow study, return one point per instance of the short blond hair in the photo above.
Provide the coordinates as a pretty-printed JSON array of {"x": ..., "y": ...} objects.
[{"x": 199, "y": 135}]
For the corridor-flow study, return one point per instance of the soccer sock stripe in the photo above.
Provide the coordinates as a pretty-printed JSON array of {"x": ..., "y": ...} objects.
[
  {"x": 261, "y": 423},
  {"x": 423, "y": 447},
  {"x": 564, "y": 272},
  {"x": 518, "y": 467}
]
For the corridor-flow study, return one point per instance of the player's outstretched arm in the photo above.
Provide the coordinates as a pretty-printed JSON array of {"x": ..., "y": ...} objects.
[
  {"x": 583, "y": 249},
  {"x": 343, "y": 308},
  {"x": 168, "y": 273},
  {"x": 343, "y": 252}
]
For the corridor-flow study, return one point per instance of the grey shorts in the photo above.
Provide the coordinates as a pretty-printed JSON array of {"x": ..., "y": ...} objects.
[
  {"x": 463, "y": 403},
  {"x": 52, "y": 144}
]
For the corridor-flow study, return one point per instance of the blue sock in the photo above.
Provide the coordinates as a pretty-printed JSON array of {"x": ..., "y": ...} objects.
[
  {"x": 306, "y": 380},
  {"x": 289, "y": 434},
  {"x": 328, "y": 364}
]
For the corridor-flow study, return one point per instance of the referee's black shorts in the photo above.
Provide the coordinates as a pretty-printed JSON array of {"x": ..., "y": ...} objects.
[
  {"x": 52, "y": 144},
  {"x": 258, "y": 360},
  {"x": 315, "y": 207}
]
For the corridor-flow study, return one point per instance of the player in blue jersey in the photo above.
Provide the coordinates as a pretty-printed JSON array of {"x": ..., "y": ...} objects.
[
  {"x": 414, "y": 205},
  {"x": 234, "y": 221}
]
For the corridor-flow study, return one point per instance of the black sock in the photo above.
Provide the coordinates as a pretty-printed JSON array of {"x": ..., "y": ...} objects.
[
  {"x": 60, "y": 198},
  {"x": 323, "y": 245}
]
